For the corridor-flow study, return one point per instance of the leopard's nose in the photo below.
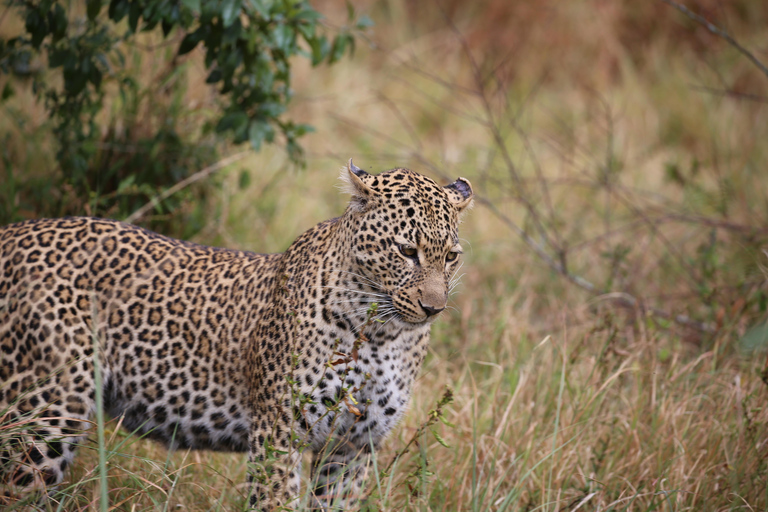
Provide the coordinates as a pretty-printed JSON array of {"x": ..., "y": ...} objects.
[{"x": 429, "y": 310}]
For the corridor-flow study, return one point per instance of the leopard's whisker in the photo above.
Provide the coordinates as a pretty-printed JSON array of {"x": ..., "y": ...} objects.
[
  {"x": 363, "y": 300},
  {"x": 379, "y": 313},
  {"x": 453, "y": 276},
  {"x": 455, "y": 280},
  {"x": 370, "y": 281},
  {"x": 383, "y": 315},
  {"x": 381, "y": 322},
  {"x": 454, "y": 283},
  {"x": 394, "y": 315},
  {"x": 375, "y": 294}
]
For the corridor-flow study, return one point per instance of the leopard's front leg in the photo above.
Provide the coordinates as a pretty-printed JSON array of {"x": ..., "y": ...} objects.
[
  {"x": 274, "y": 468},
  {"x": 340, "y": 472}
]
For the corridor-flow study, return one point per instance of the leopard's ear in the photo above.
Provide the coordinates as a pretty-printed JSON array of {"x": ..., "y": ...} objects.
[
  {"x": 460, "y": 194},
  {"x": 353, "y": 182}
]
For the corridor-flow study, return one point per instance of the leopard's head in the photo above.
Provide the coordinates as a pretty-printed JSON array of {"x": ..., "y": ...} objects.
[{"x": 406, "y": 238}]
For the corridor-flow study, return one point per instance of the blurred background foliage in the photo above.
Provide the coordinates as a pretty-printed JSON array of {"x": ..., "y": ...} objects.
[
  {"x": 609, "y": 348},
  {"x": 111, "y": 79}
]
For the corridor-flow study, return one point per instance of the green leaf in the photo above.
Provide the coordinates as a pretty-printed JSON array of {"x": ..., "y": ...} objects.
[
  {"x": 302, "y": 129},
  {"x": 283, "y": 36},
  {"x": 245, "y": 179},
  {"x": 235, "y": 121},
  {"x": 339, "y": 45},
  {"x": 446, "y": 422},
  {"x": 755, "y": 340},
  {"x": 36, "y": 27},
  {"x": 57, "y": 20},
  {"x": 93, "y": 7},
  {"x": 258, "y": 131},
  {"x": 439, "y": 439},
  {"x": 74, "y": 81},
  {"x": 118, "y": 9},
  {"x": 94, "y": 76},
  {"x": 133, "y": 16},
  {"x": 192, "y": 5},
  {"x": 7, "y": 92},
  {"x": 307, "y": 31},
  {"x": 189, "y": 42},
  {"x": 231, "y": 35},
  {"x": 364, "y": 22},
  {"x": 261, "y": 6},
  {"x": 320, "y": 47},
  {"x": 309, "y": 15},
  {"x": 271, "y": 109},
  {"x": 125, "y": 183},
  {"x": 102, "y": 60},
  {"x": 57, "y": 58},
  {"x": 350, "y": 11},
  {"x": 214, "y": 76},
  {"x": 229, "y": 11}
]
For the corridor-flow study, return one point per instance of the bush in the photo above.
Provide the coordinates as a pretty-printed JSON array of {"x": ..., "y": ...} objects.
[{"x": 109, "y": 161}]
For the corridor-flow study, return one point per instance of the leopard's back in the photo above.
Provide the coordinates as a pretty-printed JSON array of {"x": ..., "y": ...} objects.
[{"x": 172, "y": 318}]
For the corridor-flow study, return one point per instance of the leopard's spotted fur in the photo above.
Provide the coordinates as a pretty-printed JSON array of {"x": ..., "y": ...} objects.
[{"x": 218, "y": 349}]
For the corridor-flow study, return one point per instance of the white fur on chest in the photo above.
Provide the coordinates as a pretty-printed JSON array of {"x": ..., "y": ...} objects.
[{"x": 365, "y": 391}]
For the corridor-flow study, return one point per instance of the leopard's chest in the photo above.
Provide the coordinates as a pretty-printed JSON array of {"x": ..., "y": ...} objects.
[{"x": 361, "y": 394}]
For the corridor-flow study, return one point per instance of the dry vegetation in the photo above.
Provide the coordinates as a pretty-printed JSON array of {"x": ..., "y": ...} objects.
[{"x": 607, "y": 350}]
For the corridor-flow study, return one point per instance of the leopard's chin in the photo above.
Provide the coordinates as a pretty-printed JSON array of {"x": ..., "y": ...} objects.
[{"x": 416, "y": 321}]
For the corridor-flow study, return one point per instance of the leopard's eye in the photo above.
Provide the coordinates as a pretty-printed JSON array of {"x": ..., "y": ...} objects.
[
  {"x": 451, "y": 256},
  {"x": 409, "y": 252}
]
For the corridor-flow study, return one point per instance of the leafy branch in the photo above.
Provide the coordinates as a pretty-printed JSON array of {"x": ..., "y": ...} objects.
[{"x": 248, "y": 47}]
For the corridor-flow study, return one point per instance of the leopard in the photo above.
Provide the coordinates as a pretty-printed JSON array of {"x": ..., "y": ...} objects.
[{"x": 314, "y": 349}]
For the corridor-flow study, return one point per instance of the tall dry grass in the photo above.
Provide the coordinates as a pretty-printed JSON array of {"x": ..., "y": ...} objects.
[{"x": 606, "y": 349}]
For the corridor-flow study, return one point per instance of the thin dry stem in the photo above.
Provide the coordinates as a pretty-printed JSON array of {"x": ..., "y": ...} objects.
[
  {"x": 199, "y": 175},
  {"x": 720, "y": 33}
]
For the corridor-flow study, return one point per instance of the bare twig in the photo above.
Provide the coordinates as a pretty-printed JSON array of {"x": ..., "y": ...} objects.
[
  {"x": 537, "y": 248},
  {"x": 731, "y": 94},
  {"x": 691, "y": 272},
  {"x": 544, "y": 240},
  {"x": 559, "y": 262},
  {"x": 543, "y": 185},
  {"x": 453, "y": 87},
  {"x": 493, "y": 125},
  {"x": 719, "y": 224},
  {"x": 622, "y": 299},
  {"x": 199, "y": 175},
  {"x": 720, "y": 33},
  {"x": 441, "y": 104},
  {"x": 376, "y": 133},
  {"x": 401, "y": 118},
  {"x": 666, "y": 218}
]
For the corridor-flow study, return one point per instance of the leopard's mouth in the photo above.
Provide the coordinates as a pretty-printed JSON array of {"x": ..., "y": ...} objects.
[{"x": 408, "y": 315}]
